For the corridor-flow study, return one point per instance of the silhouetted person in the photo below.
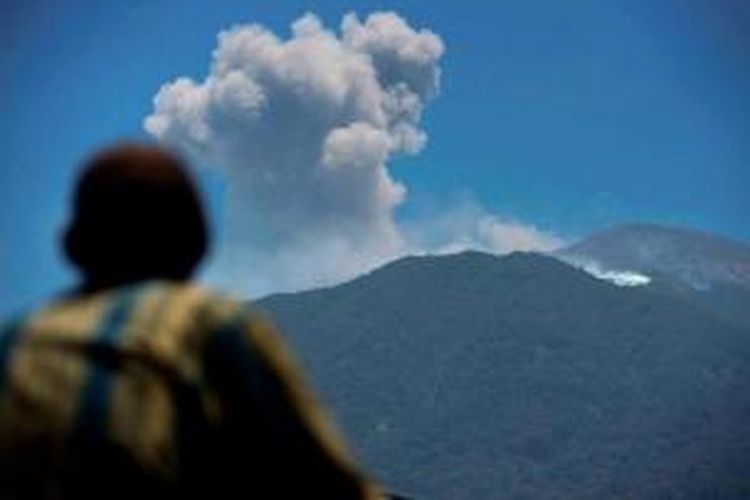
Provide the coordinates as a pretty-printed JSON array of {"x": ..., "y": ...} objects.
[
  {"x": 137, "y": 216},
  {"x": 141, "y": 385}
]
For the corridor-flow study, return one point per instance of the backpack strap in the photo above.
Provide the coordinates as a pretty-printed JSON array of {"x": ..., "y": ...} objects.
[{"x": 101, "y": 355}]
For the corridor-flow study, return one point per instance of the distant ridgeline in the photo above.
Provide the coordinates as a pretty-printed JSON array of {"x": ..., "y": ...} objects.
[
  {"x": 707, "y": 270},
  {"x": 475, "y": 376}
]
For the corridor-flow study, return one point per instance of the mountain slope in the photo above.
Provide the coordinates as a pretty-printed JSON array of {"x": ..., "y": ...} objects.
[
  {"x": 711, "y": 271},
  {"x": 473, "y": 376},
  {"x": 695, "y": 258}
]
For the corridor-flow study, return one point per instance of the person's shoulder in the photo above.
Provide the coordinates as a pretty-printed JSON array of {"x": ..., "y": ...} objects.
[
  {"x": 210, "y": 308},
  {"x": 65, "y": 311}
]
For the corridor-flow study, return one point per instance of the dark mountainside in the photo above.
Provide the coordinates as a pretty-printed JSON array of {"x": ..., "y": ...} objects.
[{"x": 474, "y": 376}]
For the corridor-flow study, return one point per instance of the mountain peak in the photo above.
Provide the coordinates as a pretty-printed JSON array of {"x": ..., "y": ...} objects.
[
  {"x": 472, "y": 262},
  {"x": 469, "y": 374}
]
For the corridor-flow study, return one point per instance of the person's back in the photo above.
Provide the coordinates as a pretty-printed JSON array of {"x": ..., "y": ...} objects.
[{"x": 142, "y": 385}]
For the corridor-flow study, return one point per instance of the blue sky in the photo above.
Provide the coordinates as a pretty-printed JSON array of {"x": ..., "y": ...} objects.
[{"x": 571, "y": 116}]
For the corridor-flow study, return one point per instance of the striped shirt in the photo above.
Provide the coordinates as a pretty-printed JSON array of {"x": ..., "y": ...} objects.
[{"x": 161, "y": 390}]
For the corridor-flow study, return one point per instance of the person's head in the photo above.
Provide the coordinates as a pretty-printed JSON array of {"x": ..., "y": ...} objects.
[{"x": 136, "y": 216}]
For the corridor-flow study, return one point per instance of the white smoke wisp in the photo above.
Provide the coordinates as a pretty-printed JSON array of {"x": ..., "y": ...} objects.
[
  {"x": 304, "y": 129},
  {"x": 619, "y": 278}
]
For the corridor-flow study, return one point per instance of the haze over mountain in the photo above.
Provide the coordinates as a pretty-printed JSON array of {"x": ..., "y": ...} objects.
[
  {"x": 475, "y": 376},
  {"x": 686, "y": 256},
  {"x": 710, "y": 271}
]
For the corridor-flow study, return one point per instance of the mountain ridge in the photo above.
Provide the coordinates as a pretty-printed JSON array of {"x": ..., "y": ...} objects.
[
  {"x": 467, "y": 375},
  {"x": 685, "y": 256}
]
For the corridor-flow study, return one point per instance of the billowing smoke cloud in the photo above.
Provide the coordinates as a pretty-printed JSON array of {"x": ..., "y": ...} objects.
[{"x": 304, "y": 129}]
